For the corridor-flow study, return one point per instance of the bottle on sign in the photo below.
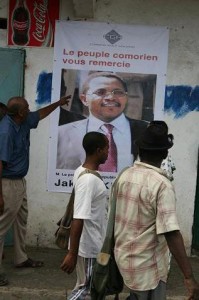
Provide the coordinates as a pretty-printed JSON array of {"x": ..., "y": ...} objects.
[{"x": 21, "y": 23}]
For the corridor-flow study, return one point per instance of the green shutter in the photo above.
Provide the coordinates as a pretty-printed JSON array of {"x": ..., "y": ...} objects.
[
  {"x": 11, "y": 84},
  {"x": 11, "y": 73}
]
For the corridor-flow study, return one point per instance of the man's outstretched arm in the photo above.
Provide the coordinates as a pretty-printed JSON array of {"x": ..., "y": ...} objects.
[
  {"x": 45, "y": 111},
  {"x": 176, "y": 246}
]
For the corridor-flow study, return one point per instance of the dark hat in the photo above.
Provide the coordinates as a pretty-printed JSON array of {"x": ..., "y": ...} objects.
[{"x": 155, "y": 137}]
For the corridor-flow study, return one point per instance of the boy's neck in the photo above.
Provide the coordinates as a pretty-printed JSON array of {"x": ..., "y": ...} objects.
[
  {"x": 156, "y": 164},
  {"x": 90, "y": 164}
]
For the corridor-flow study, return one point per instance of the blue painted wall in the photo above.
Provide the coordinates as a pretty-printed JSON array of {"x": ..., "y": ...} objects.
[
  {"x": 44, "y": 87},
  {"x": 180, "y": 100}
]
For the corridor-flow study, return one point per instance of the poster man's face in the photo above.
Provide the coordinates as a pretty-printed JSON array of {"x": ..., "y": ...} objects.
[{"x": 105, "y": 98}]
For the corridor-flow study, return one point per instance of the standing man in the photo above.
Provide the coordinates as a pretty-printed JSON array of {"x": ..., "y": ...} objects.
[
  {"x": 90, "y": 215},
  {"x": 146, "y": 226},
  {"x": 14, "y": 163},
  {"x": 105, "y": 95}
]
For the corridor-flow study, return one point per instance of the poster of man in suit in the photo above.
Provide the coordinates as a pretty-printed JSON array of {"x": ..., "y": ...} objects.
[
  {"x": 116, "y": 91},
  {"x": 123, "y": 100}
]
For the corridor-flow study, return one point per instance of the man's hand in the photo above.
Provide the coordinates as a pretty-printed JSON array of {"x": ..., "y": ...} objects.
[
  {"x": 69, "y": 262},
  {"x": 45, "y": 111},
  {"x": 177, "y": 248},
  {"x": 1, "y": 205},
  {"x": 64, "y": 100},
  {"x": 193, "y": 288}
]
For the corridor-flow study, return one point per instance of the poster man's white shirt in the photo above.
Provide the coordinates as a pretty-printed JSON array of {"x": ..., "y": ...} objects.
[{"x": 121, "y": 136}]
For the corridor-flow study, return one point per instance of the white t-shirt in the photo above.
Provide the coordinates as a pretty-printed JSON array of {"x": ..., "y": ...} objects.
[{"x": 91, "y": 205}]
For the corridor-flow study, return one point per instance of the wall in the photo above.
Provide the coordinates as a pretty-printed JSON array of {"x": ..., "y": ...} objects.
[{"x": 182, "y": 18}]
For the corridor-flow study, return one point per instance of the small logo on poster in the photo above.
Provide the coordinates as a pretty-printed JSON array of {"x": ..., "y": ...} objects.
[{"x": 112, "y": 37}]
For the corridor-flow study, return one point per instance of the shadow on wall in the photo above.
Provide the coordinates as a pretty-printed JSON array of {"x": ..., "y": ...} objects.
[{"x": 180, "y": 100}]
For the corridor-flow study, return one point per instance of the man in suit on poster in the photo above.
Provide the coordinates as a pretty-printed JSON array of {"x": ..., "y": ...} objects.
[{"x": 105, "y": 95}]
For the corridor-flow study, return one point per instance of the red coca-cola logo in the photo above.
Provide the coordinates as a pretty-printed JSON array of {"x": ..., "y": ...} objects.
[
  {"x": 20, "y": 25},
  {"x": 40, "y": 13}
]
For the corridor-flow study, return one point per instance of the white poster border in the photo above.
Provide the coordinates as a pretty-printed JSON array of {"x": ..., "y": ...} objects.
[{"x": 94, "y": 46}]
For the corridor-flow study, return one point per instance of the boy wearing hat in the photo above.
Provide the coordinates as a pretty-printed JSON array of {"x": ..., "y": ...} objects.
[{"x": 146, "y": 226}]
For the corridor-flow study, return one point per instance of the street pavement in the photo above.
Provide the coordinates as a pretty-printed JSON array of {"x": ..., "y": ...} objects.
[{"x": 50, "y": 283}]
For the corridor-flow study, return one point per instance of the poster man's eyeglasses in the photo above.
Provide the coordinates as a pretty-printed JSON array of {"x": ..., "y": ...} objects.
[{"x": 104, "y": 93}]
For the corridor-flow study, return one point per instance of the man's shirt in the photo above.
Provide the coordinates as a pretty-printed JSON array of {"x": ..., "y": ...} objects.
[
  {"x": 90, "y": 205},
  {"x": 146, "y": 209},
  {"x": 14, "y": 145}
]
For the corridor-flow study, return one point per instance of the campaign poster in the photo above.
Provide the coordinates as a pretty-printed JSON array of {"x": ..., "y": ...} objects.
[
  {"x": 31, "y": 23},
  {"x": 115, "y": 74}
]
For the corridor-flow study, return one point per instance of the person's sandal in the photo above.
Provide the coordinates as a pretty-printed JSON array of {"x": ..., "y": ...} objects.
[
  {"x": 3, "y": 280},
  {"x": 30, "y": 263}
]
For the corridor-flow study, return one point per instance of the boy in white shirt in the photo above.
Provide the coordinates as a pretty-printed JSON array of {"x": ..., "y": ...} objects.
[{"x": 90, "y": 215}]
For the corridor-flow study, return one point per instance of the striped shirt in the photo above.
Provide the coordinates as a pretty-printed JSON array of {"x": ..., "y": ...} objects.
[{"x": 146, "y": 209}]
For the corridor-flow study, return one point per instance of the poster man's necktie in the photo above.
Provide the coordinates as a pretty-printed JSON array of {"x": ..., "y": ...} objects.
[{"x": 111, "y": 163}]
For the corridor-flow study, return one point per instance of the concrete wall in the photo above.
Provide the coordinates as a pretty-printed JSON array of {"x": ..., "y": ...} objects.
[{"x": 182, "y": 18}]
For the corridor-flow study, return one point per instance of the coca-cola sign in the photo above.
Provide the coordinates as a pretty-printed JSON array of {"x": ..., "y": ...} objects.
[{"x": 32, "y": 23}]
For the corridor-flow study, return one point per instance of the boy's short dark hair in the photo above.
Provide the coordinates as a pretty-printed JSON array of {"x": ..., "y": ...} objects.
[{"x": 92, "y": 141}]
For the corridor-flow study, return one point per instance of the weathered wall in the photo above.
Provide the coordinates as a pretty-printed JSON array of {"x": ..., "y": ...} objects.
[{"x": 182, "y": 18}]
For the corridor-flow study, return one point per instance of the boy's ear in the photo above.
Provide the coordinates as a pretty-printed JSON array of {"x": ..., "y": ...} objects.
[
  {"x": 83, "y": 99},
  {"x": 98, "y": 151}
]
